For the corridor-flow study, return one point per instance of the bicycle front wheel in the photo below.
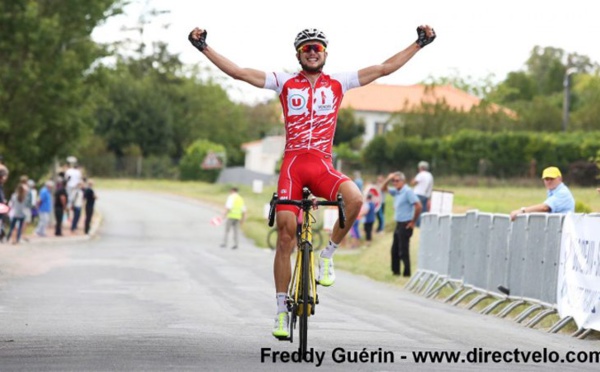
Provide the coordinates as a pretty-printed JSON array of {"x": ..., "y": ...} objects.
[{"x": 305, "y": 298}]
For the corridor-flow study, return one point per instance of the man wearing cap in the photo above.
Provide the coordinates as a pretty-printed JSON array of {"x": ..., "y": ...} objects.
[{"x": 559, "y": 200}]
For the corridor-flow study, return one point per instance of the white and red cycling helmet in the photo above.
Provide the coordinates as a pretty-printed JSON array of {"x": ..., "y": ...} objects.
[{"x": 310, "y": 34}]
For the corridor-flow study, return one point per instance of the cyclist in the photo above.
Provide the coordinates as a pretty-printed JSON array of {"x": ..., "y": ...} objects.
[{"x": 310, "y": 100}]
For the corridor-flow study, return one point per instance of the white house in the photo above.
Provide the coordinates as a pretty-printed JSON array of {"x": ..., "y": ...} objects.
[{"x": 262, "y": 155}]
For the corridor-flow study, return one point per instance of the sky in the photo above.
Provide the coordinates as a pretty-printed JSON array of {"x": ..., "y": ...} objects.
[{"x": 476, "y": 39}]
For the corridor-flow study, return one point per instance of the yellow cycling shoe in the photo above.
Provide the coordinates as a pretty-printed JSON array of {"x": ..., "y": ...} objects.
[
  {"x": 326, "y": 275},
  {"x": 281, "y": 329}
]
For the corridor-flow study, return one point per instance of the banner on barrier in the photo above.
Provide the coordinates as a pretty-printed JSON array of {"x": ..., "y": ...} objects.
[
  {"x": 441, "y": 202},
  {"x": 578, "y": 289}
]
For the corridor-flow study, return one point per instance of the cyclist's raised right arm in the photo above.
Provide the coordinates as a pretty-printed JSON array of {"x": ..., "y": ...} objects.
[{"x": 251, "y": 76}]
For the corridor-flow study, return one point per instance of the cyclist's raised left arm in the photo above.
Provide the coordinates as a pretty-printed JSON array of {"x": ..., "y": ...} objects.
[{"x": 367, "y": 75}]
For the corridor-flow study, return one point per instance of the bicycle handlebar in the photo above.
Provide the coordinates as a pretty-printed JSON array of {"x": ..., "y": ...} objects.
[{"x": 306, "y": 204}]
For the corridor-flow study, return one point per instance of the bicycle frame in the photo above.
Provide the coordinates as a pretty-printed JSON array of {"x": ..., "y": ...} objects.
[
  {"x": 302, "y": 295},
  {"x": 305, "y": 243}
]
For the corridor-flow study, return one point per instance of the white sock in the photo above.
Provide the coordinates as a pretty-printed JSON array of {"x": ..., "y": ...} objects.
[
  {"x": 281, "y": 305},
  {"x": 329, "y": 250}
]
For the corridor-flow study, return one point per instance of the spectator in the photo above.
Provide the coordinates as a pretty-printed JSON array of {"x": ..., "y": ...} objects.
[
  {"x": 44, "y": 206},
  {"x": 559, "y": 198},
  {"x": 33, "y": 195},
  {"x": 381, "y": 210},
  {"x": 73, "y": 178},
  {"x": 423, "y": 187},
  {"x": 24, "y": 180},
  {"x": 235, "y": 213},
  {"x": 3, "y": 177},
  {"x": 407, "y": 209},
  {"x": 369, "y": 218},
  {"x": 17, "y": 203},
  {"x": 358, "y": 180},
  {"x": 355, "y": 231},
  {"x": 61, "y": 200},
  {"x": 76, "y": 205},
  {"x": 89, "y": 195}
]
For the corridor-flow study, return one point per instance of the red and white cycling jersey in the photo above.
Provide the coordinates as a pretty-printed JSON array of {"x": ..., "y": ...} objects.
[{"x": 310, "y": 112}]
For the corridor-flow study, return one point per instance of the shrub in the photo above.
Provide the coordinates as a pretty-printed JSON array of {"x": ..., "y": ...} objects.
[
  {"x": 582, "y": 207},
  {"x": 190, "y": 166},
  {"x": 583, "y": 173}
]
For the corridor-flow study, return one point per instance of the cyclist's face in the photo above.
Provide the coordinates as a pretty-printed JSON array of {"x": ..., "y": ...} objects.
[{"x": 312, "y": 57}]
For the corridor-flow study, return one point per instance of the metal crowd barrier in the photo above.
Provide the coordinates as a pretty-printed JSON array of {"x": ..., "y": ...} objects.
[{"x": 486, "y": 256}]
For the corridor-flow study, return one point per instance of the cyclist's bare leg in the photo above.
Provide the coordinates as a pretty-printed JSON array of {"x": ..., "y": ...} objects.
[
  {"x": 286, "y": 239},
  {"x": 353, "y": 201}
]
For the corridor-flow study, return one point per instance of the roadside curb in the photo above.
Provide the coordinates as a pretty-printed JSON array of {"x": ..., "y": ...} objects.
[{"x": 67, "y": 237}]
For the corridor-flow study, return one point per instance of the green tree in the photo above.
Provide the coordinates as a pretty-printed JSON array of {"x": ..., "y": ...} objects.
[
  {"x": 349, "y": 129},
  {"x": 477, "y": 87},
  {"x": 190, "y": 166},
  {"x": 135, "y": 110},
  {"x": 436, "y": 120},
  {"x": 151, "y": 102},
  {"x": 586, "y": 113},
  {"x": 547, "y": 69},
  {"x": 518, "y": 86},
  {"x": 46, "y": 103},
  {"x": 264, "y": 119}
]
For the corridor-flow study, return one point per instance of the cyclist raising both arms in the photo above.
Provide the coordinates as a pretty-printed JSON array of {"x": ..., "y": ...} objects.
[{"x": 310, "y": 100}]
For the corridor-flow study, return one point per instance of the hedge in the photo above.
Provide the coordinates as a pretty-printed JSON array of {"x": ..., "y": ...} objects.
[{"x": 502, "y": 155}]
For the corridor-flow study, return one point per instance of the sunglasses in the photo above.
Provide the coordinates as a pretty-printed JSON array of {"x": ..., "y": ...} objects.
[
  {"x": 395, "y": 180},
  {"x": 314, "y": 47}
]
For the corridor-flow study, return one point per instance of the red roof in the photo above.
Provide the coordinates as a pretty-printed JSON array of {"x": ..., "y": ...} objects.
[{"x": 402, "y": 98}]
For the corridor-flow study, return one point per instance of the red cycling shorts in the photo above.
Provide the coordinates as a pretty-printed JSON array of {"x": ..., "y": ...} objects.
[{"x": 311, "y": 169}]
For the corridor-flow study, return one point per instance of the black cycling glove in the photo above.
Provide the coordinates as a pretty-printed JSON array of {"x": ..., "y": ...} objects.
[
  {"x": 422, "y": 39},
  {"x": 199, "y": 43}
]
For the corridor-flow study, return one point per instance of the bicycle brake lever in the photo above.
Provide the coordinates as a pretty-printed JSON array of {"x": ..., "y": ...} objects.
[
  {"x": 341, "y": 211},
  {"x": 272, "y": 209}
]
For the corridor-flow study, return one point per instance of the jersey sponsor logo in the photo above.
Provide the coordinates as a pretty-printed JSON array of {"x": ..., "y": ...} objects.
[
  {"x": 324, "y": 102},
  {"x": 297, "y": 102}
]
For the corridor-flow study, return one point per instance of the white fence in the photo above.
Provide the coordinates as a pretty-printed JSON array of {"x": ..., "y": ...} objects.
[{"x": 486, "y": 256}]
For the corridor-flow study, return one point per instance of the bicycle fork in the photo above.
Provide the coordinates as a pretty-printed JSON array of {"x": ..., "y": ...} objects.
[{"x": 313, "y": 298}]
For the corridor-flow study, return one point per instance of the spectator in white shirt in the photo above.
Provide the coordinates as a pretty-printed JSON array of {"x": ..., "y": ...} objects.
[
  {"x": 423, "y": 187},
  {"x": 74, "y": 178}
]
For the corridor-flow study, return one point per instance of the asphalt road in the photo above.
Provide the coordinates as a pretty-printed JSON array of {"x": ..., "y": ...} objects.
[{"x": 154, "y": 291}]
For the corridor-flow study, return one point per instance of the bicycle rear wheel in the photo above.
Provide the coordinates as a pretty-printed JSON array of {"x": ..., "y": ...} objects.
[
  {"x": 305, "y": 298},
  {"x": 317, "y": 239},
  {"x": 272, "y": 238}
]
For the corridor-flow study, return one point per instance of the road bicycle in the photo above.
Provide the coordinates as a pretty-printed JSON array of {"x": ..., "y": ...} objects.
[
  {"x": 302, "y": 293},
  {"x": 317, "y": 237}
]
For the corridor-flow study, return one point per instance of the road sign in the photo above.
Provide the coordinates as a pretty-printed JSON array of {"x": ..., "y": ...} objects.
[{"x": 211, "y": 161}]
